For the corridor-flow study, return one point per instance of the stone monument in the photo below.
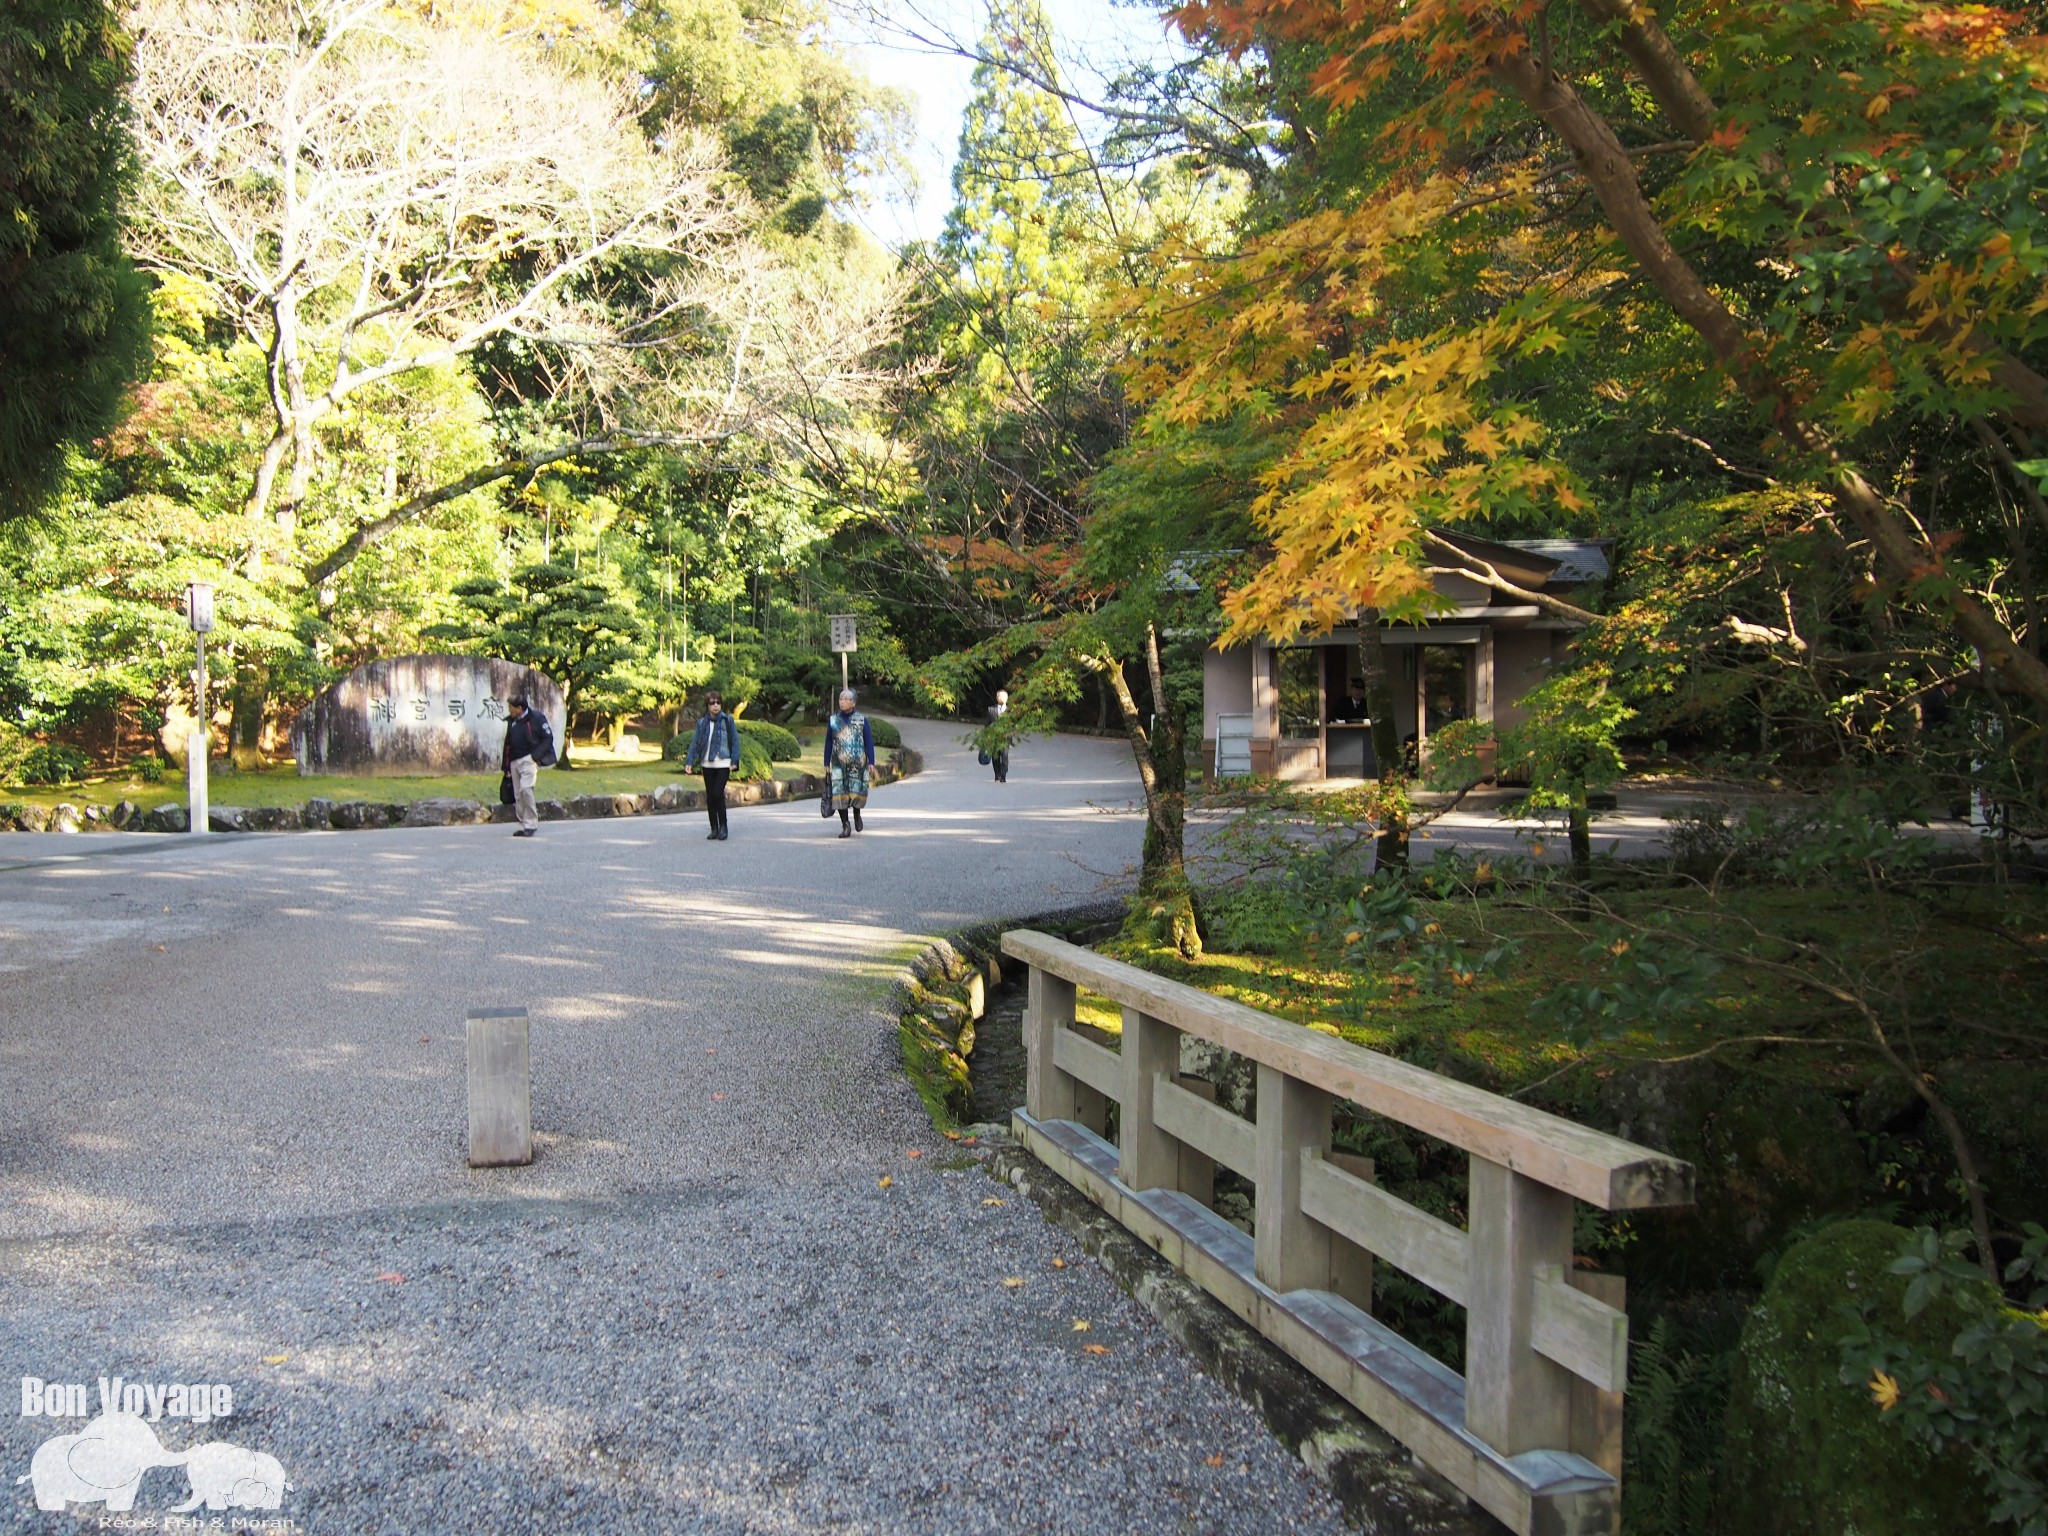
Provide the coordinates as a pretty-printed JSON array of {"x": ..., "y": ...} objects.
[{"x": 419, "y": 715}]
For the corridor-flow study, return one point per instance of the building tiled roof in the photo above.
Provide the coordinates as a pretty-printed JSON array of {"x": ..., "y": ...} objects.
[{"x": 1578, "y": 560}]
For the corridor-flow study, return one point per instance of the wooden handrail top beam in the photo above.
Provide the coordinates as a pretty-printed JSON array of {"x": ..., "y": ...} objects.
[{"x": 1590, "y": 1165}]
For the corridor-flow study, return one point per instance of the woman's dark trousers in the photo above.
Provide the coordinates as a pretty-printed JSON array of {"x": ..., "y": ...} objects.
[{"x": 714, "y": 797}]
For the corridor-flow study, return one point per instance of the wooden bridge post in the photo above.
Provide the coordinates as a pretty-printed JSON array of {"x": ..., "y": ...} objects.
[
  {"x": 1515, "y": 1399},
  {"x": 1291, "y": 1251},
  {"x": 1148, "y": 1158},
  {"x": 1351, "y": 1265},
  {"x": 1049, "y": 1093}
]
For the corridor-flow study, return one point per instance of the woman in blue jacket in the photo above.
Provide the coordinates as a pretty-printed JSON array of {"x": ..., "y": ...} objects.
[
  {"x": 717, "y": 747},
  {"x": 849, "y": 754}
]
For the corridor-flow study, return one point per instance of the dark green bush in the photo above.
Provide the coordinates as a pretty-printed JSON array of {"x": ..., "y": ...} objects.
[
  {"x": 886, "y": 734},
  {"x": 14, "y": 747},
  {"x": 149, "y": 769},
  {"x": 49, "y": 763},
  {"x": 1809, "y": 1454},
  {"x": 1984, "y": 1392},
  {"x": 782, "y": 745}
]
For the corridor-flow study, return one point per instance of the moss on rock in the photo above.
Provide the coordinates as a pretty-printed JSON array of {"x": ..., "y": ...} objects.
[
  {"x": 936, "y": 1025},
  {"x": 1807, "y": 1454}
]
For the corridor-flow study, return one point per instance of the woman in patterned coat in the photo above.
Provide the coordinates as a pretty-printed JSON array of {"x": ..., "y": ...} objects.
[{"x": 849, "y": 755}]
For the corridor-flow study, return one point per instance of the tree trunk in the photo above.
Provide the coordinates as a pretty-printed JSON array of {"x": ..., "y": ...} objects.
[
  {"x": 1579, "y": 829},
  {"x": 248, "y": 702},
  {"x": 1165, "y": 909},
  {"x": 1390, "y": 807}
]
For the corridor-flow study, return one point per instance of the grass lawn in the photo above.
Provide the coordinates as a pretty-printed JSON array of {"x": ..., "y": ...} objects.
[{"x": 594, "y": 772}]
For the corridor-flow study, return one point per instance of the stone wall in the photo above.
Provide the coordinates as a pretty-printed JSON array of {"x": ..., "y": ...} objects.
[{"x": 410, "y": 715}]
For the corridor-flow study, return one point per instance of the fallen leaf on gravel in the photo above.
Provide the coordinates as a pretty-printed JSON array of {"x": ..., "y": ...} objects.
[
  {"x": 392, "y": 1277},
  {"x": 1214, "y": 1461},
  {"x": 275, "y": 1359},
  {"x": 915, "y": 1152},
  {"x": 1094, "y": 1349},
  {"x": 1011, "y": 1282},
  {"x": 971, "y": 1141},
  {"x": 426, "y": 1039},
  {"x": 952, "y": 1135},
  {"x": 991, "y": 1200},
  {"x": 1059, "y": 1263},
  {"x": 1080, "y": 1325},
  {"x": 160, "y": 949},
  {"x": 884, "y": 1181},
  {"x": 710, "y": 1050},
  {"x": 718, "y": 1096}
]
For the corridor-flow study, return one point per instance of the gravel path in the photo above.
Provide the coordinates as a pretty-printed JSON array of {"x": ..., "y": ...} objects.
[{"x": 231, "y": 1150}]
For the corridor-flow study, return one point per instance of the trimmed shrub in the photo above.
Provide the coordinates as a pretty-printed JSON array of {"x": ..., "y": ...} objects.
[
  {"x": 886, "y": 734},
  {"x": 677, "y": 748},
  {"x": 782, "y": 745},
  {"x": 755, "y": 763}
]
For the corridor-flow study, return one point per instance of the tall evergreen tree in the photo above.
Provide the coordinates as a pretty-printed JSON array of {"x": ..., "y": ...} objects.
[
  {"x": 1018, "y": 180},
  {"x": 1024, "y": 407},
  {"x": 73, "y": 310}
]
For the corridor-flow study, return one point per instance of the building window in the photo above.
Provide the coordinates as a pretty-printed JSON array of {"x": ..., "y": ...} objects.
[
  {"x": 1446, "y": 685},
  {"x": 1298, "y": 679}
]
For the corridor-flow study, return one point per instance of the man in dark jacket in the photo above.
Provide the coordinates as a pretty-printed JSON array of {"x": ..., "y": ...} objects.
[{"x": 524, "y": 732}]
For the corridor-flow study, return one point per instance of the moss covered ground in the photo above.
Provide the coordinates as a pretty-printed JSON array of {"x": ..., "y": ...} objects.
[{"x": 1962, "y": 978}]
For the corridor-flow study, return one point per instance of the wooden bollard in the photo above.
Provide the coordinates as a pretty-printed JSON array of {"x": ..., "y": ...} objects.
[{"x": 500, "y": 1088}]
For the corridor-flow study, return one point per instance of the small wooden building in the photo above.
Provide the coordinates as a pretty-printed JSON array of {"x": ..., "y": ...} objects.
[{"x": 1280, "y": 711}]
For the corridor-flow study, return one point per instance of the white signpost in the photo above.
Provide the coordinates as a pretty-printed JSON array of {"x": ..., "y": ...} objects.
[
  {"x": 198, "y": 614},
  {"x": 843, "y": 641}
]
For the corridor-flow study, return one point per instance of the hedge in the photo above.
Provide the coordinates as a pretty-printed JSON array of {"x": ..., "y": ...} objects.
[{"x": 782, "y": 745}]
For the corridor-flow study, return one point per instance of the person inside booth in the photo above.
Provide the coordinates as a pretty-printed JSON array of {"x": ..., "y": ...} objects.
[{"x": 1350, "y": 710}]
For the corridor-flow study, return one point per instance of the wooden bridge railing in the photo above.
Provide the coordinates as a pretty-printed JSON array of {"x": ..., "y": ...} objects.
[{"x": 1532, "y": 1430}]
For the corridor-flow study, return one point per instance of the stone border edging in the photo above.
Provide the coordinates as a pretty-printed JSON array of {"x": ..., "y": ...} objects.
[
  {"x": 939, "y": 998},
  {"x": 323, "y": 815}
]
